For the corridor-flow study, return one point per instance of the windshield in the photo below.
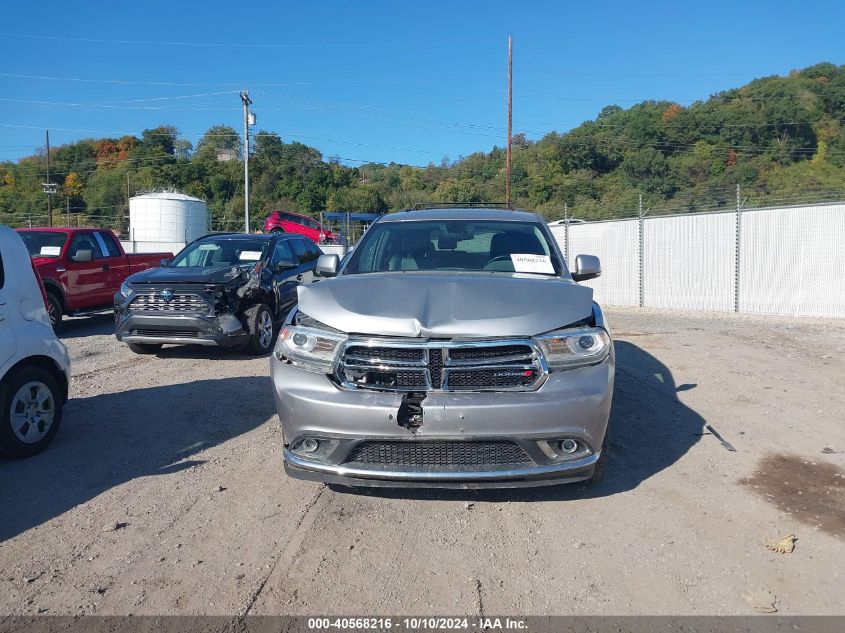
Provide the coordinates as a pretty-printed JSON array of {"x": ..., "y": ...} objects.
[
  {"x": 215, "y": 254},
  {"x": 455, "y": 245},
  {"x": 43, "y": 243}
]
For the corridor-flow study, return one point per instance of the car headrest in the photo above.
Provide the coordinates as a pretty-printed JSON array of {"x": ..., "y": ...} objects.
[{"x": 447, "y": 242}]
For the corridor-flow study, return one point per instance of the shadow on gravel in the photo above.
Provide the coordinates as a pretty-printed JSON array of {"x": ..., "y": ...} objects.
[
  {"x": 201, "y": 352},
  {"x": 110, "y": 439},
  {"x": 79, "y": 327},
  {"x": 650, "y": 430}
]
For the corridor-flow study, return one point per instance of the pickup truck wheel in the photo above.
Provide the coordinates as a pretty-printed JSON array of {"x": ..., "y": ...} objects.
[
  {"x": 277, "y": 230},
  {"x": 145, "y": 348},
  {"x": 30, "y": 412},
  {"x": 54, "y": 311},
  {"x": 261, "y": 328}
]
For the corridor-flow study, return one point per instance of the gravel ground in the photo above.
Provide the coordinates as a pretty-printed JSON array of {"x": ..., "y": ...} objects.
[{"x": 163, "y": 493}]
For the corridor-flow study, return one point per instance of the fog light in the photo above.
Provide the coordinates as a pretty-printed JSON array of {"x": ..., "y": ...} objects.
[
  {"x": 569, "y": 446},
  {"x": 310, "y": 445}
]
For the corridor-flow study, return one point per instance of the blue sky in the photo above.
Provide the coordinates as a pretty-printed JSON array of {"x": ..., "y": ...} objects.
[{"x": 407, "y": 82}]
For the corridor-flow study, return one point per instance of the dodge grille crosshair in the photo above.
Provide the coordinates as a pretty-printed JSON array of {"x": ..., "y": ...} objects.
[{"x": 402, "y": 365}]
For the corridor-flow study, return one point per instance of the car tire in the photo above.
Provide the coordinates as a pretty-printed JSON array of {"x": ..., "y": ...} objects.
[
  {"x": 36, "y": 386},
  {"x": 600, "y": 466},
  {"x": 261, "y": 328},
  {"x": 54, "y": 311},
  {"x": 277, "y": 230},
  {"x": 145, "y": 348}
]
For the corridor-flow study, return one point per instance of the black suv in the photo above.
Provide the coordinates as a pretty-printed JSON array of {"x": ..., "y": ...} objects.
[{"x": 225, "y": 289}]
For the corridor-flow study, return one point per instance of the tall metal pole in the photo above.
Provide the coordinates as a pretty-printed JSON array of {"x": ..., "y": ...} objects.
[
  {"x": 566, "y": 233},
  {"x": 49, "y": 195},
  {"x": 127, "y": 201},
  {"x": 247, "y": 102},
  {"x": 737, "y": 246},
  {"x": 641, "y": 249},
  {"x": 510, "y": 121}
]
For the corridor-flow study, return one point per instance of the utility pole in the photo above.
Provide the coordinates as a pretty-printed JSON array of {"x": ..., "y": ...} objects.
[
  {"x": 68, "y": 211},
  {"x": 127, "y": 199},
  {"x": 510, "y": 122},
  {"x": 48, "y": 187},
  {"x": 247, "y": 102}
]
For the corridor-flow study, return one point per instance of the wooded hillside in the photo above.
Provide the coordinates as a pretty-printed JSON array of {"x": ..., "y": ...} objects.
[{"x": 781, "y": 138}]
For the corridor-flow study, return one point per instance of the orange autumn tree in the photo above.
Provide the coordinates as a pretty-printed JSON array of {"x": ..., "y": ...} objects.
[{"x": 73, "y": 185}]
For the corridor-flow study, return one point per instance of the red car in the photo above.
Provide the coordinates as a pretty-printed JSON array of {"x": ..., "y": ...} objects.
[
  {"x": 285, "y": 222},
  {"x": 81, "y": 269}
]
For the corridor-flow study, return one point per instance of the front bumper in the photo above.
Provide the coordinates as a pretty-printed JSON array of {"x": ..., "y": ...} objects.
[
  {"x": 178, "y": 329},
  {"x": 571, "y": 404}
]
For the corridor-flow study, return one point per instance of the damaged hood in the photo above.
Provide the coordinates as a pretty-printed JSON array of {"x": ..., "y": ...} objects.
[
  {"x": 437, "y": 305},
  {"x": 185, "y": 275}
]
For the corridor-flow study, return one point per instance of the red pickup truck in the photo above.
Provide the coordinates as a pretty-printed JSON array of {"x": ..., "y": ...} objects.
[{"x": 82, "y": 269}]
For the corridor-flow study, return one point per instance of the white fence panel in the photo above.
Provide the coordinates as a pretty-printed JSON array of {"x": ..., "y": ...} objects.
[
  {"x": 334, "y": 249},
  {"x": 616, "y": 245},
  {"x": 689, "y": 261},
  {"x": 792, "y": 261}
]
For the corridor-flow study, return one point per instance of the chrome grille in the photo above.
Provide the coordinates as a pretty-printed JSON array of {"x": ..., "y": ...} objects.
[
  {"x": 179, "y": 302},
  {"x": 397, "y": 365}
]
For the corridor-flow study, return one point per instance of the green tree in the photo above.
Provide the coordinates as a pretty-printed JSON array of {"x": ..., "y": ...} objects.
[{"x": 216, "y": 138}]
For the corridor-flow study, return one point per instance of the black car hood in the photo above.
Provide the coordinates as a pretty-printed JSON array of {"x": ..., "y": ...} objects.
[
  {"x": 446, "y": 305},
  {"x": 184, "y": 275}
]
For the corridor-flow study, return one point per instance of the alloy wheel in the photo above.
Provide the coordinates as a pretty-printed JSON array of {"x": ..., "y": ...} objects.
[
  {"x": 265, "y": 329},
  {"x": 52, "y": 312},
  {"x": 33, "y": 411}
]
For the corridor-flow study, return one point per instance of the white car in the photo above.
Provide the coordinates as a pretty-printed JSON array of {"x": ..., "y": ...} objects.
[{"x": 34, "y": 364}]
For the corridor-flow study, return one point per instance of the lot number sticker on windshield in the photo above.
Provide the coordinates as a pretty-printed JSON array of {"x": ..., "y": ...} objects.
[
  {"x": 525, "y": 263},
  {"x": 53, "y": 251},
  {"x": 249, "y": 256}
]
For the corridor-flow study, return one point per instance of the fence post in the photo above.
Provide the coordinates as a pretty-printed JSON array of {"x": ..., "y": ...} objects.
[
  {"x": 566, "y": 233},
  {"x": 738, "y": 238},
  {"x": 642, "y": 243}
]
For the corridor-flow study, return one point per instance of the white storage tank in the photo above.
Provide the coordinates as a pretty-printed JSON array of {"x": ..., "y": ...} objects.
[{"x": 167, "y": 218}]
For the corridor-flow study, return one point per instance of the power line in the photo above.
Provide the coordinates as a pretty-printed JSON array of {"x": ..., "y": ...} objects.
[
  {"x": 163, "y": 43},
  {"x": 128, "y": 82},
  {"x": 192, "y": 96},
  {"x": 69, "y": 104}
]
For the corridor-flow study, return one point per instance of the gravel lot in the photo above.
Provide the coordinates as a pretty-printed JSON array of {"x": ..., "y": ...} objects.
[{"x": 164, "y": 494}]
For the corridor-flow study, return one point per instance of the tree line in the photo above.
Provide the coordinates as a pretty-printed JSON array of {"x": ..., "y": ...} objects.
[{"x": 777, "y": 136}]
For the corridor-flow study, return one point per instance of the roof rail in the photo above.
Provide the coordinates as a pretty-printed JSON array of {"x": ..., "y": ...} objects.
[
  {"x": 460, "y": 205},
  {"x": 220, "y": 233}
]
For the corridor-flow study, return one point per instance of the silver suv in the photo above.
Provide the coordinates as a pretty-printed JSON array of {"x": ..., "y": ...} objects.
[{"x": 453, "y": 348}]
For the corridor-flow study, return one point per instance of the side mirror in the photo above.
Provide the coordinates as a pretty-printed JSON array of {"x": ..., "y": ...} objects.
[
  {"x": 164, "y": 262},
  {"x": 327, "y": 265},
  {"x": 586, "y": 267},
  {"x": 285, "y": 263},
  {"x": 83, "y": 256}
]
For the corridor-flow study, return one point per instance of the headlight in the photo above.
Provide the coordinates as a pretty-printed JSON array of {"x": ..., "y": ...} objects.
[
  {"x": 309, "y": 348},
  {"x": 566, "y": 349},
  {"x": 125, "y": 290}
]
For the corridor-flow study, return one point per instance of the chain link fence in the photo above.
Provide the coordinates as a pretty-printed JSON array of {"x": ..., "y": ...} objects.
[{"x": 785, "y": 260}]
